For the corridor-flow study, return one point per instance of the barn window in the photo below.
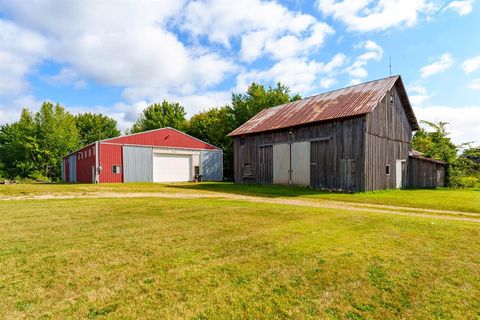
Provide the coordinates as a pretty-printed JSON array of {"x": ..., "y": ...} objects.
[
  {"x": 116, "y": 169},
  {"x": 387, "y": 170},
  {"x": 89, "y": 152}
]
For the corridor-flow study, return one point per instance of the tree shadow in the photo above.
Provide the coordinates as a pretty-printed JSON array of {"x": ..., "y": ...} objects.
[{"x": 269, "y": 191}]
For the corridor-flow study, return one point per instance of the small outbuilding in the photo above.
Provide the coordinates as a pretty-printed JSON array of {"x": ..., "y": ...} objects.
[
  {"x": 353, "y": 139},
  {"x": 161, "y": 155}
]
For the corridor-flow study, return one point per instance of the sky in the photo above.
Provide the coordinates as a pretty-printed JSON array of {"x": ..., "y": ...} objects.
[{"x": 116, "y": 57}]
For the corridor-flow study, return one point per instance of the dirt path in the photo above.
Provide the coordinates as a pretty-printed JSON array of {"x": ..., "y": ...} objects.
[{"x": 329, "y": 204}]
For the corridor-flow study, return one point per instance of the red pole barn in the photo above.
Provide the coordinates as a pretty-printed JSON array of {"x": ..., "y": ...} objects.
[{"x": 161, "y": 155}]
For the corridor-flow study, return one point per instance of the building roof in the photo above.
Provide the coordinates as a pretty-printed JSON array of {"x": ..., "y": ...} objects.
[
  {"x": 418, "y": 155},
  {"x": 342, "y": 103},
  {"x": 163, "y": 137}
]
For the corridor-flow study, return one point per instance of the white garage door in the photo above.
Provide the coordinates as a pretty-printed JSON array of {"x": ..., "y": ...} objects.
[{"x": 172, "y": 168}]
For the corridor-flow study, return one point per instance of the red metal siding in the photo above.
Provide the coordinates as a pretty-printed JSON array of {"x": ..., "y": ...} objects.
[
  {"x": 166, "y": 137},
  {"x": 85, "y": 164},
  {"x": 109, "y": 156}
]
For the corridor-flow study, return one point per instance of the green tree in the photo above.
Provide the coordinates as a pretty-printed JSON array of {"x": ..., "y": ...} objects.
[
  {"x": 159, "y": 115},
  {"x": 57, "y": 135},
  {"x": 19, "y": 147},
  {"x": 213, "y": 127},
  {"x": 93, "y": 127},
  {"x": 245, "y": 105}
]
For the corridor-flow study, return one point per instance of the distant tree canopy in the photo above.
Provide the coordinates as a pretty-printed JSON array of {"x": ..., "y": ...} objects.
[
  {"x": 34, "y": 145},
  {"x": 93, "y": 127},
  {"x": 160, "y": 115}
]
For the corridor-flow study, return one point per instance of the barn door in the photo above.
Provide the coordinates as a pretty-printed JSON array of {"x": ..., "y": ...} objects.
[
  {"x": 347, "y": 174},
  {"x": 400, "y": 174},
  {"x": 265, "y": 165},
  {"x": 318, "y": 164}
]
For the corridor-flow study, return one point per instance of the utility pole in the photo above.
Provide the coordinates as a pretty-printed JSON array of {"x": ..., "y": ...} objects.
[{"x": 390, "y": 65}]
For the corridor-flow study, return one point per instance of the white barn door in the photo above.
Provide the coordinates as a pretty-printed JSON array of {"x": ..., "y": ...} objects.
[{"x": 172, "y": 168}]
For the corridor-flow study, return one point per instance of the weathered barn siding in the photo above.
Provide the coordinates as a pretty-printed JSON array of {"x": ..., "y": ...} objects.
[
  {"x": 336, "y": 154},
  {"x": 137, "y": 164},
  {"x": 387, "y": 139},
  {"x": 425, "y": 173},
  {"x": 211, "y": 165}
]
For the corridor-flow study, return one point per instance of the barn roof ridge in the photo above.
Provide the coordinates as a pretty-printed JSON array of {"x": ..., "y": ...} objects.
[{"x": 354, "y": 100}]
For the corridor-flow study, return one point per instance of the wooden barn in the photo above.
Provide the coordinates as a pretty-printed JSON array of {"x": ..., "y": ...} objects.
[{"x": 352, "y": 139}]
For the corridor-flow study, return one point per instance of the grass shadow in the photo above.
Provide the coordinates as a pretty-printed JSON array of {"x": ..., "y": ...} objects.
[{"x": 269, "y": 191}]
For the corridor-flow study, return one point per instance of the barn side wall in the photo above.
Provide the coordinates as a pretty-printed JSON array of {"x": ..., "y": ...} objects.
[
  {"x": 336, "y": 143},
  {"x": 85, "y": 164},
  {"x": 425, "y": 174},
  {"x": 387, "y": 139},
  {"x": 211, "y": 165}
]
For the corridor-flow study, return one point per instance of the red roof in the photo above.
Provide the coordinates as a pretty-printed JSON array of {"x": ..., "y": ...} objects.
[
  {"x": 164, "y": 137},
  {"x": 347, "y": 102}
]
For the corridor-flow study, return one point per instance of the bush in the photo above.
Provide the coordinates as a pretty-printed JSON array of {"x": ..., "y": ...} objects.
[{"x": 468, "y": 182}]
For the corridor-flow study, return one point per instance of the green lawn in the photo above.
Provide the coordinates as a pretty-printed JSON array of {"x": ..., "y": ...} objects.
[
  {"x": 218, "y": 259},
  {"x": 467, "y": 200}
]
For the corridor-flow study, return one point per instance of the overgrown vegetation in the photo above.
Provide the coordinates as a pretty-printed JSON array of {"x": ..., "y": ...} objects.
[
  {"x": 463, "y": 160},
  {"x": 211, "y": 258}
]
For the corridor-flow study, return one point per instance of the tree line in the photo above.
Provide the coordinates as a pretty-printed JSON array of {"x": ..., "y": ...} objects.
[{"x": 33, "y": 146}]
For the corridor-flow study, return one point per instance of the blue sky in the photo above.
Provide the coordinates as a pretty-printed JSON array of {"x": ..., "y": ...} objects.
[{"x": 116, "y": 57}]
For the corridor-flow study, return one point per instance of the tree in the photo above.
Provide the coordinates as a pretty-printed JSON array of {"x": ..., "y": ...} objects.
[
  {"x": 93, "y": 127},
  {"x": 246, "y": 105},
  {"x": 19, "y": 147},
  {"x": 33, "y": 146},
  {"x": 57, "y": 135},
  {"x": 161, "y": 115},
  {"x": 213, "y": 127}
]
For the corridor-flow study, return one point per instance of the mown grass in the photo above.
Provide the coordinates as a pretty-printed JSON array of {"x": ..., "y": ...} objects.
[
  {"x": 467, "y": 200},
  {"x": 218, "y": 259}
]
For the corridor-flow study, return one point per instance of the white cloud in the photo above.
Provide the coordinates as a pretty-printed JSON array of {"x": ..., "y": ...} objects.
[
  {"x": 474, "y": 84},
  {"x": 367, "y": 15},
  {"x": 471, "y": 65},
  {"x": 20, "y": 51},
  {"x": 463, "y": 121},
  {"x": 264, "y": 27},
  {"x": 443, "y": 63},
  {"x": 299, "y": 74},
  {"x": 463, "y": 8},
  {"x": 418, "y": 96},
  {"x": 327, "y": 82},
  {"x": 357, "y": 68},
  {"x": 124, "y": 45}
]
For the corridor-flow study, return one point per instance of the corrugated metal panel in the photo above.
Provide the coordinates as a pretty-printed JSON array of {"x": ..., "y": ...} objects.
[
  {"x": 165, "y": 137},
  {"x": 212, "y": 165},
  {"x": 137, "y": 164},
  {"x": 72, "y": 171},
  {"x": 110, "y": 155},
  {"x": 342, "y": 103}
]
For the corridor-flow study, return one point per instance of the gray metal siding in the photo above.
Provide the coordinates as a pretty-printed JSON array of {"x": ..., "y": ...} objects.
[
  {"x": 72, "y": 160},
  {"x": 212, "y": 165},
  {"x": 137, "y": 164}
]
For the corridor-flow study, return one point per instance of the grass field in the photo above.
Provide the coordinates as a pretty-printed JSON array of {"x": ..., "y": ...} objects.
[{"x": 212, "y": 258}]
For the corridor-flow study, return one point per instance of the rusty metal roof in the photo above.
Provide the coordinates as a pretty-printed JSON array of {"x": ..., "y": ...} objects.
[{"x": 347, "y": 102}]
